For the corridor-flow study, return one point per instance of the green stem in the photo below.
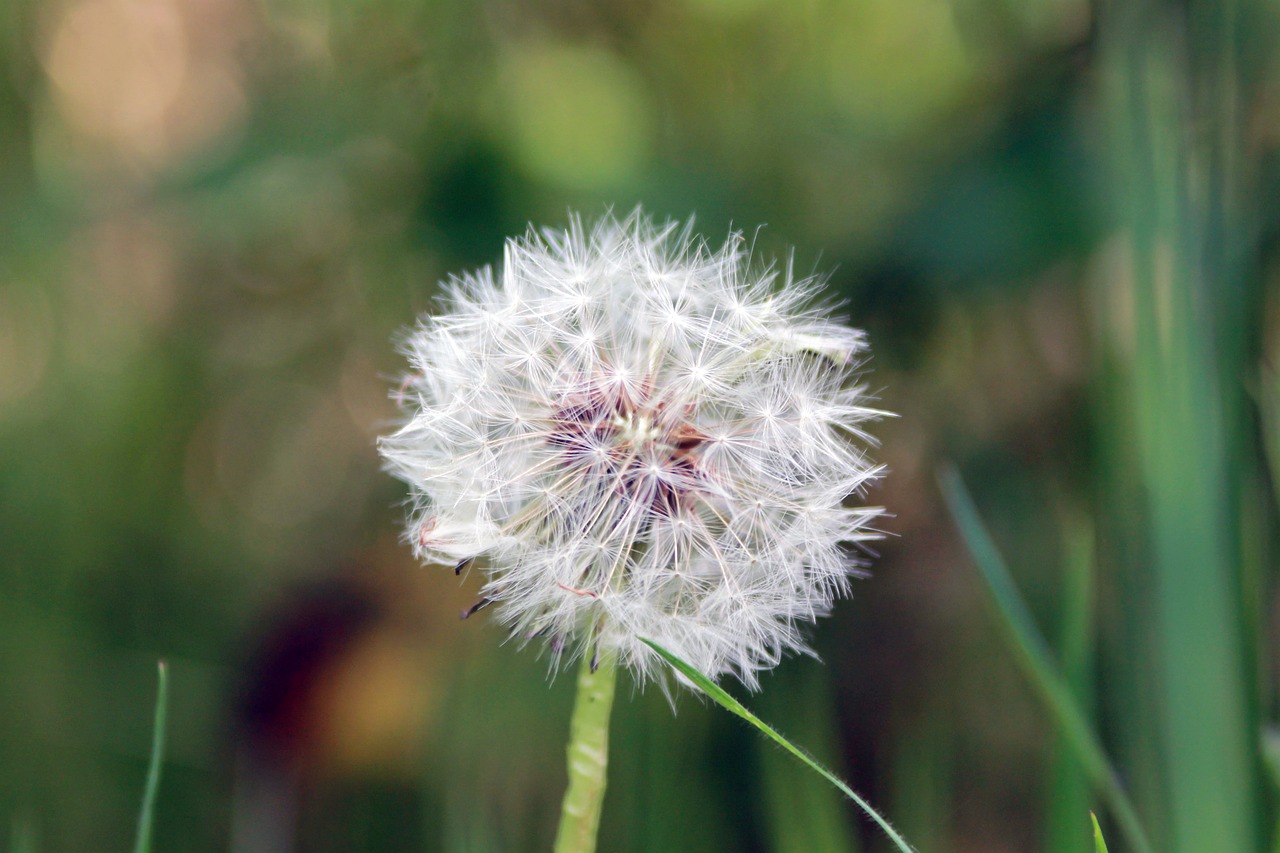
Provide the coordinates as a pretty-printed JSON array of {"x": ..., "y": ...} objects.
[{"x": 588, "y": 756}]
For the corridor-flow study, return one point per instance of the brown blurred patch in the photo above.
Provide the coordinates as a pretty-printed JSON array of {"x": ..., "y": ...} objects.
[{"x": 146, "y": 82}]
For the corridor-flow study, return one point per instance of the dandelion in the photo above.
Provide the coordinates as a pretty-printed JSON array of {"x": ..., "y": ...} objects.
[
  {"x": 636, "y": 436},
  {"x": 638, "y": 439}
]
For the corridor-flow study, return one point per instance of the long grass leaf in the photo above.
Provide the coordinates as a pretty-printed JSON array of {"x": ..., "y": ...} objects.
[
  {"x": 726, "y": 701},
  {"x": 1070, "y": 790},
  {"x": 802, "y": 812},
  {"x": 1099, "y": 845},
  {"x": 1032, "y": 653},
  {"x": 146, "y": 816},
  {"x": 1173, "y": 84}
]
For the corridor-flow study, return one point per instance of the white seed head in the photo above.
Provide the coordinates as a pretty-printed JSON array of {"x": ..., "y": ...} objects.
[{"x": 636, "y": 436}]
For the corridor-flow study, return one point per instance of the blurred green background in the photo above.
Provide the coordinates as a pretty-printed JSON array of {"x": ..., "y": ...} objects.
[{"x": 1056, "y": 219}]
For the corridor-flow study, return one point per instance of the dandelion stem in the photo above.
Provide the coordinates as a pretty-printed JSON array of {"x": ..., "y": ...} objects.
[{"x": 588, "y": 754}]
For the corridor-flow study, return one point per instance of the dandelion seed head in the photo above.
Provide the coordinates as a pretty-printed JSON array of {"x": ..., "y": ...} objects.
[{"x": 637, "y": 436}]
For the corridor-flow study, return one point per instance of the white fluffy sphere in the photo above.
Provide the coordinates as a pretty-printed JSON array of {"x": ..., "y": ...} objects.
[{"x": 635, "y": 436}]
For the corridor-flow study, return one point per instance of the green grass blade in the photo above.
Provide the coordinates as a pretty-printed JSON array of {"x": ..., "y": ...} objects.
[
  {"x": 1099, "y": 845},
  {"x": 1176, "y": 92},
  {"x": 146, "y": 816},
  {"x": 801, "y": 811},
  {"x": 1070, "y": 791},
  {"x": 1033, "y": 655},
  {"x": 726, "y": 701}
]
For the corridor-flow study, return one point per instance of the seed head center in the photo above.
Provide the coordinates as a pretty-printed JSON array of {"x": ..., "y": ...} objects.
[
  {"x": 645, "y": 449},
  {"x": 636, "y": 428}
]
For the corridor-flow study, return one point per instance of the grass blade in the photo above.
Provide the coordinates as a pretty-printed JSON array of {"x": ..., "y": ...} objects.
[
  {"x": 1070, "y": 790},
  {"x": 802, "y": 812},
  {"x": 726, "y": 701},
  {"x": 1033, "y": 655},
  {"x": 1099, "y": 845},
  {"x": 146, "y": 816},
  {"x": 1189, "y": 286}
]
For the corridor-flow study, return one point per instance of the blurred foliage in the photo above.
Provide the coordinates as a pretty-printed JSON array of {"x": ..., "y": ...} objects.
[{"x": 215, "y": 217}]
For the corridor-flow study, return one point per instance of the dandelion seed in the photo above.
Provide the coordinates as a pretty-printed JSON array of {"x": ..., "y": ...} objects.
[{"x": 636, "y": 436}]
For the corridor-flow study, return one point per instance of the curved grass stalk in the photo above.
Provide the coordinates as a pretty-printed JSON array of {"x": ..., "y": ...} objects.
[
  {"x": 726, "y": 701},
  {"x": 1099, "y": 845},
  {"x": 1033, "y": 656},
  {"x": 146, "y": 816}
]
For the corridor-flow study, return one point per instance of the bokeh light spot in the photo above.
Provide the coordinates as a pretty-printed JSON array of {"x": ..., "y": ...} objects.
[
  {"x": 579, "y": 117},
  {"x": 872, "y": 85}
]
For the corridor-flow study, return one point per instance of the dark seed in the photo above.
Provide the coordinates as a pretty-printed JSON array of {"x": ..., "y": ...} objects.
[{"x": 477, "y": 607}]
